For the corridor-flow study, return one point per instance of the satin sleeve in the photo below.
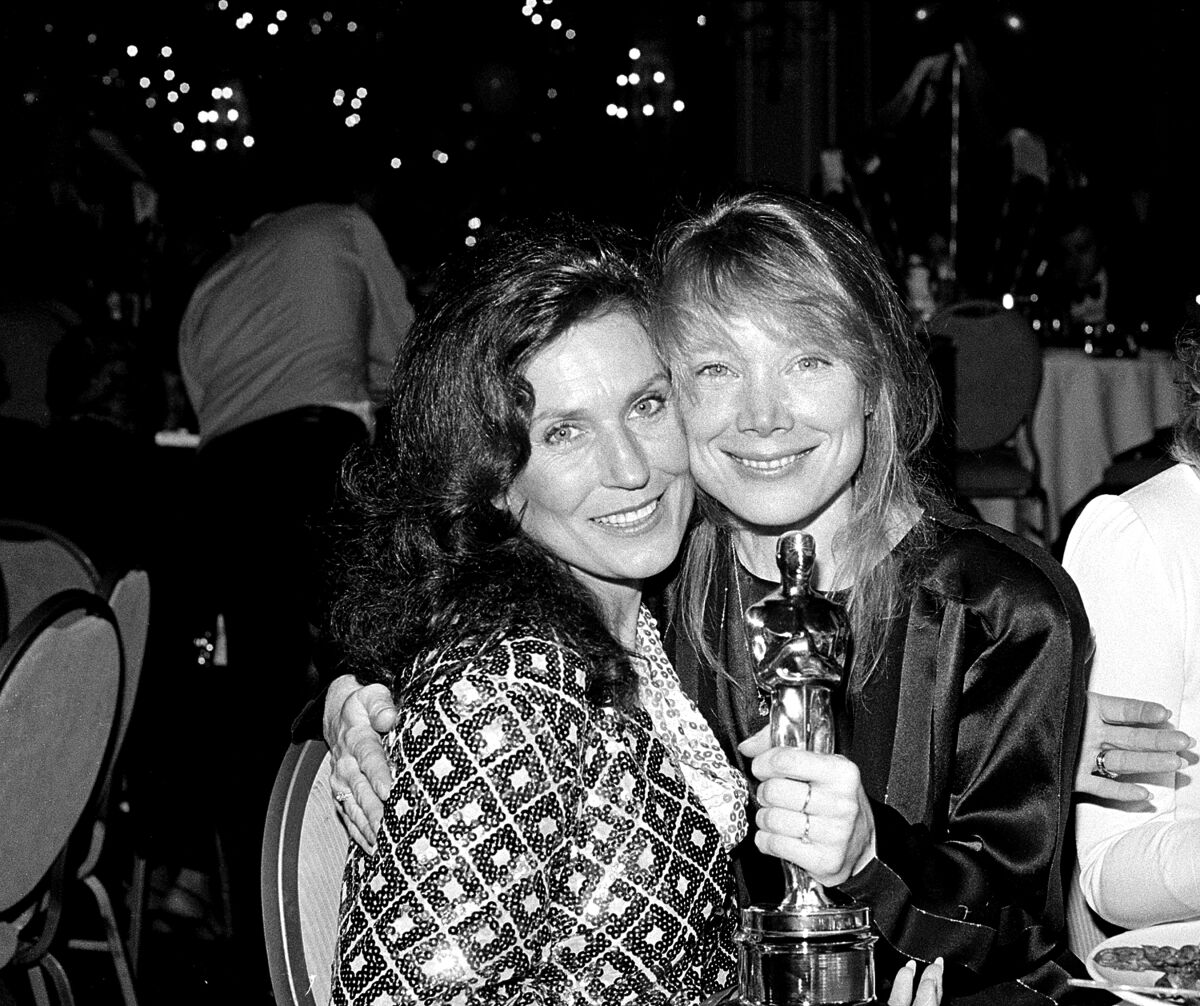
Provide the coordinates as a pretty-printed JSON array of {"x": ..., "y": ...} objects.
[
  {"x": 969, "y": 836},
  {"x": 460, "y": 902},
  {"x": 1139, "y": 864}
]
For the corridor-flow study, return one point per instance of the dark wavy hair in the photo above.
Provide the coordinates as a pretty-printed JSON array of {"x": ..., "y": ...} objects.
[
  {"x": 791, "y": 266},
  {"x": 422, "y": 557},
  {"x": 1186, "y": 447}
]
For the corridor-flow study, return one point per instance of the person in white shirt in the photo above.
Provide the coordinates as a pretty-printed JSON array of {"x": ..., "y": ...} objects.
[{"x": 1136, "y": 560}]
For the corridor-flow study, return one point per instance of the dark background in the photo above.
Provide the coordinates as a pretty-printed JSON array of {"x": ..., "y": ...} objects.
[
  {"x": 518, "y": 109},
  {"x": 108, "y": 214}
]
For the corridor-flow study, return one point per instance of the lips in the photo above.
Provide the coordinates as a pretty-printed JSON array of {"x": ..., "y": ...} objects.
[
  {"x": 769, "y": 465},
  {"x": 630, "y": 519}
]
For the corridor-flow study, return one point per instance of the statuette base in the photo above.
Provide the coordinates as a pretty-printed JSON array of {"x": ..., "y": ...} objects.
[{"x": 806, "y": 957}]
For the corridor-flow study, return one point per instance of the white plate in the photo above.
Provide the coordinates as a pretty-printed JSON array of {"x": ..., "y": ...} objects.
[{"x": 1172, "y": 934}]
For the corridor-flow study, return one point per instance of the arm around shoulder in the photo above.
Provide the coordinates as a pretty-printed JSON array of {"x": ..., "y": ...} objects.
[{"x": 459, "y": 898}]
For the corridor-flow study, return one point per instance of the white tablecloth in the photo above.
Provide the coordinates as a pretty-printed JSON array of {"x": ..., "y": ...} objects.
[{"x": 1091, "y": 409}]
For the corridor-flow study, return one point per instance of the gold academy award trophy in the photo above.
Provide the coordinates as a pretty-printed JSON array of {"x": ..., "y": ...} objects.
[{"x": 806, "y": 950}]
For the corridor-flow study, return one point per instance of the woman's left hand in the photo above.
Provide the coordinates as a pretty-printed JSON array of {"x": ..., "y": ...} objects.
[
  {"x": 812, "y": 810},
  {"x": 1126, "y": 736},
  {"x": 927, "y": 992}
]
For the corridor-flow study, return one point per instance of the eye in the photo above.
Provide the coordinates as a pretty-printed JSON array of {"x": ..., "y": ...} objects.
[
  {"x": 563, "y": 433},
  {"x": 650, "y": 406},
  {"x": 713, "y": 370},
  {"x": 811, "y": 363}
]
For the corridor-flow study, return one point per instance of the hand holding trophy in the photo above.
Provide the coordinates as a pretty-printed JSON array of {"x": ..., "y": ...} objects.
[{"x": 806, "y": 950}]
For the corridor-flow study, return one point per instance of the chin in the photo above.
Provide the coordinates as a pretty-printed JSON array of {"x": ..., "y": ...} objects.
[
  {"x": 641, "y": 562},
  {"x": 647, "y": 565},
  {"x": 777, "y": 506}
]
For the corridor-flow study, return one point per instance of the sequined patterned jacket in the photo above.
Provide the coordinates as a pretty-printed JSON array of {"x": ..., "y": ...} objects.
[{"x": 534, "y": 849}]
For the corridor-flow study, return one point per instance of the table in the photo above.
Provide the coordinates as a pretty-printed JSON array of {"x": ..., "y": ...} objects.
[{"x": 1089, "y": 410}]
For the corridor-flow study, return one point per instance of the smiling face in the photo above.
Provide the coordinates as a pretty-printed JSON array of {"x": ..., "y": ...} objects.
[
  {"x": 775, "y": 429},
  {"x": 606, "y": 487}
]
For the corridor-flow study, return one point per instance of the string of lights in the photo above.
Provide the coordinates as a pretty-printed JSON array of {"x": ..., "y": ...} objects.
[{"x": 233, "y": 82}]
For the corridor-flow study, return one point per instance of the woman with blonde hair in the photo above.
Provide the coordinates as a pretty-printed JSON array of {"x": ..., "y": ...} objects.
[{"x": 806, "y": 400}]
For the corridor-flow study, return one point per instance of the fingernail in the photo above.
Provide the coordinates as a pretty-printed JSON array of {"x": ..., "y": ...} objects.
[
  {"x": 938, "y": 962},
  {"x": 910, "y": 966}
]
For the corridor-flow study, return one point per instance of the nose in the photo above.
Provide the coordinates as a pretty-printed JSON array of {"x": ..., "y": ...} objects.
[
  {"x": 626, "y": 466},
  {"x": 761, "y": 408}
]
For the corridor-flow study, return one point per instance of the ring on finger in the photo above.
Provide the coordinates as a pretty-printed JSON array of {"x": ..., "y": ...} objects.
[
  {"x": 1101, "y": 768},
  {"x": 343, "y": 796},
  {"x": 807, "y": 797},
  {"x": 804, "y": 837}
]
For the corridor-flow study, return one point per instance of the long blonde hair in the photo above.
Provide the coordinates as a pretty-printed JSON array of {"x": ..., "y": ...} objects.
[{"x": 789, "y": 266}]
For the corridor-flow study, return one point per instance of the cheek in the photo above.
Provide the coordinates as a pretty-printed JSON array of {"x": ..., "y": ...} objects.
[
  {"x": 709, "y": 476},
  {"x": 672, "y": 450},
  {"x": 841, "y": 410},
  {"x": 855, "y": 422},
  {"x": 702, "y": 421},
  {"x": 543, "y": 491}
]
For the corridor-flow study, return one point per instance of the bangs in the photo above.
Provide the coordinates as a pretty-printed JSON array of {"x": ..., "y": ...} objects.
[{"x": 807, "y": 309}]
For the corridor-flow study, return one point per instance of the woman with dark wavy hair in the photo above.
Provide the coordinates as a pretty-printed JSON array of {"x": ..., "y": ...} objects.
[
  {"x": 560, "y": 819},
  {"x": 806, "y": 399}
]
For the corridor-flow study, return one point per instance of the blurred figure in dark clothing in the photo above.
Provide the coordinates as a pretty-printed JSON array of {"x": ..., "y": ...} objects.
[
  {"x": 1088, "y": 282},
  {"x": 105, "y": 401},
  {"x": 1085, "y": 280},
  {"x": 285, "y": 349},
  {"x": 88, "y": 473}
]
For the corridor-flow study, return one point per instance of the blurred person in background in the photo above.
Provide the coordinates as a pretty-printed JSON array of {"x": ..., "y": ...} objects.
[
  {"x": 1088, "y": 281},
  {"x": 285, "y": 348}
]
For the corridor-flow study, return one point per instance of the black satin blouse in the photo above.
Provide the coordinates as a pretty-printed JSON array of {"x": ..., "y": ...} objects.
[{"x": 966, "y": 738}]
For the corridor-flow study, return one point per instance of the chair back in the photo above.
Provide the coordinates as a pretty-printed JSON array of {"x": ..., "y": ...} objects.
[
  {"x": 304, "y": 857},
  {"x": 36, "y": 562},
  {"x": 997, "y": 371},
  {"x": 60, "y": 692},
  {"x": 129, "y": 599}
]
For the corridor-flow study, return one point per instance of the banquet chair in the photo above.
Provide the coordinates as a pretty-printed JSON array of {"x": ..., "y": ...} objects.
[
  {"x": 129, "y": 599},
  {"x": 304, "y": 854},
  {"x": 1130, "y": 468},
  {"x": 1139, "y": 463},
  {"x": 60, "y": 696},
  {"x": 37, "y": 561},
  {"x": 997, "y": 377}
]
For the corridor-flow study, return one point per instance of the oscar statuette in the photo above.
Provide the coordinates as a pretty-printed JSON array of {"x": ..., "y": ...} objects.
[{"x": 809, "y": 949}]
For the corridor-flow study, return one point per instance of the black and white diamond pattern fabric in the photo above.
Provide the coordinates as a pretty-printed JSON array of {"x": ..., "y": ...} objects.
[{"x": 534, "y": 849}]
